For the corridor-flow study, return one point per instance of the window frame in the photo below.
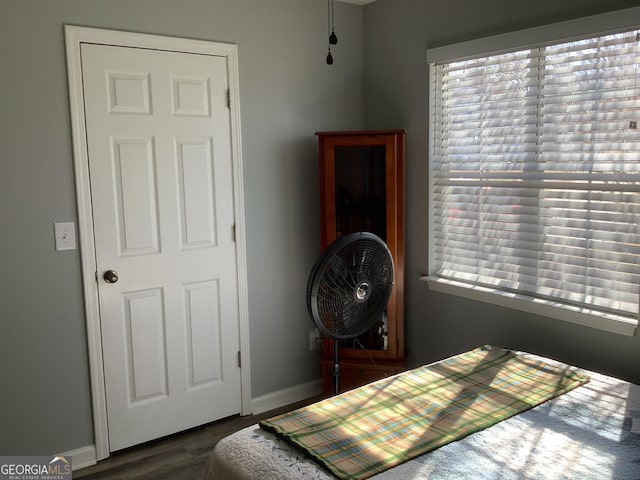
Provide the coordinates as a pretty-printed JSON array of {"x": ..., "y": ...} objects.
[{"x": 572, "y": 30}]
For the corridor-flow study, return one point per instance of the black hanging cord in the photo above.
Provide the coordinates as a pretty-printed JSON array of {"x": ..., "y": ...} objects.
[{"x": 333, "y": 39}]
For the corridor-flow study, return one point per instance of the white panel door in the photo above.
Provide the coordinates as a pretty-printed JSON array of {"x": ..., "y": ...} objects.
[{"x": 158, "y": 134}]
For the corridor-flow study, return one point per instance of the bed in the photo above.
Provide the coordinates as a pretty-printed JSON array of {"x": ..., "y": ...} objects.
[{"x": 589, "y": 430}]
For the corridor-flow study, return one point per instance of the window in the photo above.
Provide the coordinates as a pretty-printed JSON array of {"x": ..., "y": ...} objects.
[{"x": 535, "y": 178}]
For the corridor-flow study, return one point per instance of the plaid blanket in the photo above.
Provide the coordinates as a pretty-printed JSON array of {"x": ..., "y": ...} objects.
[{"x": 375, "y": 427}]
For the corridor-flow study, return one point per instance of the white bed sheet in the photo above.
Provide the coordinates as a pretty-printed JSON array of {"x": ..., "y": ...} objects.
[{"x": 589, "y": 433}]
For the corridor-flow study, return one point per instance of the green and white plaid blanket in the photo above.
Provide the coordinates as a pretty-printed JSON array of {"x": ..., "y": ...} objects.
[{"x": 375, "y": 427}]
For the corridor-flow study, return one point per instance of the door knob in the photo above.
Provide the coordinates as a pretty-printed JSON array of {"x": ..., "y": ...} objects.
[{"x": 110, "y": 276}]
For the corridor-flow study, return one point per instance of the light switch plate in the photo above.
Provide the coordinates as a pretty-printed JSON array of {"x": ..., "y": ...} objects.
[{"x": 65, "y": 235}]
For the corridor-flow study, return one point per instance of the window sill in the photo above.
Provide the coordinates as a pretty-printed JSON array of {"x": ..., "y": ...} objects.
[{"x": 581, "y": 316}]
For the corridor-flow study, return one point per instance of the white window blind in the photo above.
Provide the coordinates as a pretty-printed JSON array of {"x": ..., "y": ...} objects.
[{"x": 535, "y": 173}]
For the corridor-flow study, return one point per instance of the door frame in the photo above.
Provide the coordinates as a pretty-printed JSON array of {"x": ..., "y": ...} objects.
[{"x": 74, "y": 37}]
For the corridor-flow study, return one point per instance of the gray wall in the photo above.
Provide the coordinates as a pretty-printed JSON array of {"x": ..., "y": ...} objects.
[
  {"x": 287, "y": 93},
  {"x": 397, "y": 34}
]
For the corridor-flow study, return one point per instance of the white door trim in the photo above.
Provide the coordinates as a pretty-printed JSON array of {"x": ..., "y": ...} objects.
[{"x": 74, "y": 37}]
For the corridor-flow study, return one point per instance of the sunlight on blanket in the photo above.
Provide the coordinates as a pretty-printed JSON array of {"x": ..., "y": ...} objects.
[
  {"x": 372, "y": 428},
  {"x": 554, "y": 440},
  {"x": 589, "y": 433}
]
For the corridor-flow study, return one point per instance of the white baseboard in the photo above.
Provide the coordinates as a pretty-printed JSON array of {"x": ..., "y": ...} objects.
[
  {"x": 286, "y": 396},
  {"x": 81, "y": 457},
  {"x": 86, "y": 456}
]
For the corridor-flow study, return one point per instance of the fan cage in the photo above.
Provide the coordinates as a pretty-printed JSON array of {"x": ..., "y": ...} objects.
[{"x": 350, "y": 285}]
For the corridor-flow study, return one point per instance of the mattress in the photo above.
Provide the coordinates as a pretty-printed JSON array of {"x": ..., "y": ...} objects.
[{"x": 591, "y": 432}]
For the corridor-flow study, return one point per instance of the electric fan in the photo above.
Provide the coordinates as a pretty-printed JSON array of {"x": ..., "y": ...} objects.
[{"x": 348, "y": 289}]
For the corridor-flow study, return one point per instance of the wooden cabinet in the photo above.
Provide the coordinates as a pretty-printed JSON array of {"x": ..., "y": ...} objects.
[{"x": 362, "y": 189}]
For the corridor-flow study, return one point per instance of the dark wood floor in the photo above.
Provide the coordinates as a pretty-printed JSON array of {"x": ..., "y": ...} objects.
[{"x": 179, "y": 457}]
